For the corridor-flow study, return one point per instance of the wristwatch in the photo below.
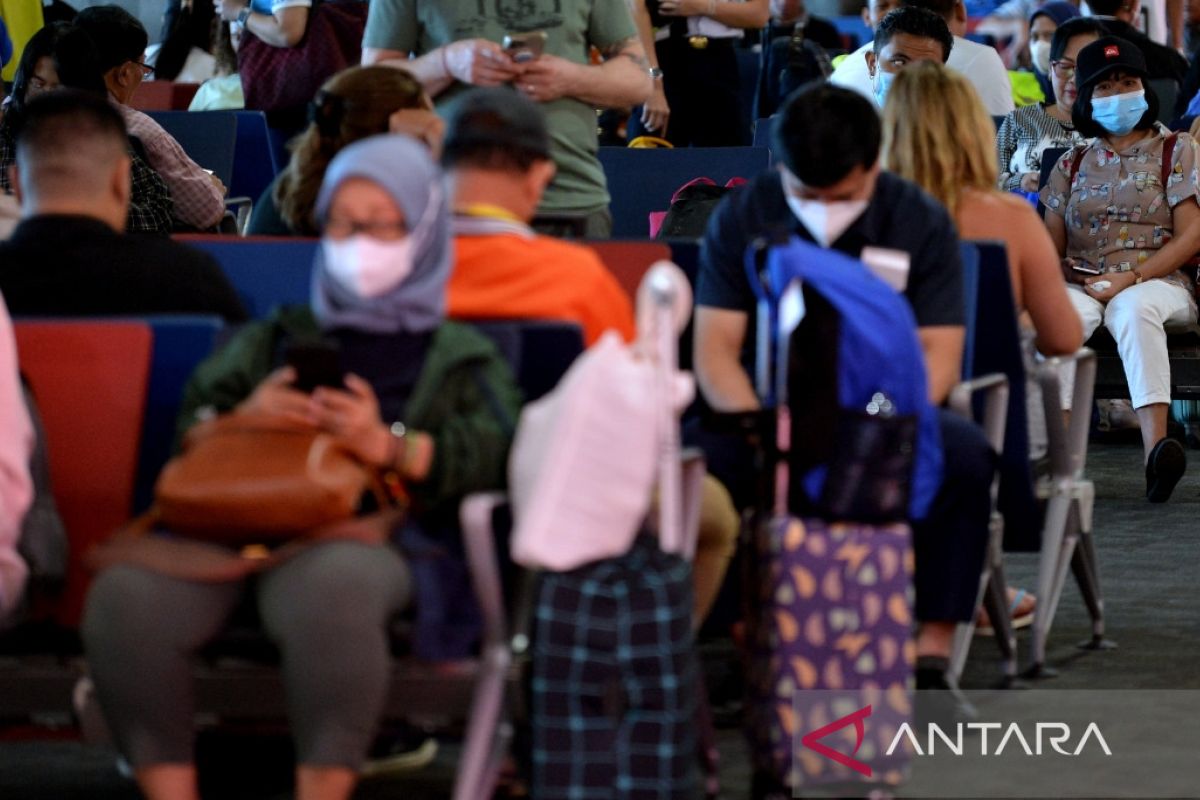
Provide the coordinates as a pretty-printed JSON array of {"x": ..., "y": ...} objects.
[
  {"x": 1137, "y": 274},
  {"x": 655, "y": 73}
]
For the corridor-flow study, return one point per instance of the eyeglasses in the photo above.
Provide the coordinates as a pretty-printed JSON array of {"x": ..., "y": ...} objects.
[
  {"x": 1063, "y": 69},
  {"x": 383, "y": 231},
  {"x": 146, "y": 69}
]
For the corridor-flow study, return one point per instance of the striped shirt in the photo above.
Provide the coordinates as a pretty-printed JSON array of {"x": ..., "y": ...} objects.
[{"x": 1023, "y": 137}]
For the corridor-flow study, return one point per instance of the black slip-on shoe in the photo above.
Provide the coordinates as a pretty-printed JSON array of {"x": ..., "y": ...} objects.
[{"x": 1164, "y": 468}]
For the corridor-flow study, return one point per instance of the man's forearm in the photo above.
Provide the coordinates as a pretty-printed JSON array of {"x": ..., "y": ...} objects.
[
  {"x": 619, "y": 82},
  {"x": 429, "y": 69}
]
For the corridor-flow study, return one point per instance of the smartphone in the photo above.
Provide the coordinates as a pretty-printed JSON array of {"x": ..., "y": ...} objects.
[
  {"x": 317, "y": 363},
  {"x": 524, "y": 47},
  {"x": 1086, "y": 269}
]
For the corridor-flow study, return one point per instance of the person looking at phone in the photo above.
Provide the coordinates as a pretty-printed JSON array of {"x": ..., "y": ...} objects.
[
  {"x": 421, "y": 398},
  {"x": 1122, "y": 212},
  {"x": 450, "y": 46}
]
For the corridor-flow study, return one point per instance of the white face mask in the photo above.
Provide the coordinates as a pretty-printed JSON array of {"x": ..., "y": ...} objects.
[
  {"x": 1039, "y": 53},
  {"x": 365, "y": 266},
  {"x": 826, "y": 221}
]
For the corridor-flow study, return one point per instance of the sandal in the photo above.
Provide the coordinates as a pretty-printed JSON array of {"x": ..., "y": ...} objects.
[{"x": 1021, "y": 608}]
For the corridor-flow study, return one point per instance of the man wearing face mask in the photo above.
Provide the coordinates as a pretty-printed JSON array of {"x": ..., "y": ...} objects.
[
  {"x": 925, "y": 40},
  {"x": 828, "y": 188}
]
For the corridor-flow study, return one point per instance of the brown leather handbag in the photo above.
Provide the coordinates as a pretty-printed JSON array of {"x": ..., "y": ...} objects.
[{"x": 259, "y": 478}]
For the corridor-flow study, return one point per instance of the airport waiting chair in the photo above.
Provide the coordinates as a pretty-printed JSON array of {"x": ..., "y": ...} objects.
[
  {"x": 255, "y": 163},
  {"x": 643, "y": 180},
  {"x": 163, "y": 96},
  {"x": 266, "y": 271},
  {"x": 208, "y": 137},
  {"x": 181, "y": 341},
  {"x": 89, "y": 379},
  {"x": 628, "y": 260}
]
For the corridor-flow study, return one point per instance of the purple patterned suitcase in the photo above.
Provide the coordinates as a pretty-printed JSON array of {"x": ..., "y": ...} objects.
[{"x": 832, "y": 652}]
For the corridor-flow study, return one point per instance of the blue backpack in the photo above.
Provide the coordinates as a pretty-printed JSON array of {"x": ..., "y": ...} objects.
[{"x": 851, "y": 374}]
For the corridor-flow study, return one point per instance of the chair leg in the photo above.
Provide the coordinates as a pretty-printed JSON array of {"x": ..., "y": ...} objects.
[
  {"x": 1049, "y": 566},
  {"x": 487, "y": 732},
  {"x": 995, "y": 600},
  {"x": 1087, "y": 575}
]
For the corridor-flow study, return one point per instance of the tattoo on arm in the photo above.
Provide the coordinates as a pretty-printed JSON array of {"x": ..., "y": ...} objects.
[{"x": 630, "y": 48}]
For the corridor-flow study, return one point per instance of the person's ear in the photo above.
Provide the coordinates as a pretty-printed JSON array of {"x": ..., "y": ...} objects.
[
  {"x": 866, "y": 17},
  {"x": 539, "y": 176},
  {"x": 960, "y": 12},
  {"x": 870, "y": 56},
  {"x": 122, "y": 181},
  {"x": 14, "y": 180}
]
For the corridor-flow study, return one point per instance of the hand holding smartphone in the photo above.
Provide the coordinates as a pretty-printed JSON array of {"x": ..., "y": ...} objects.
[
  {"x": 317, "y": 363},
  {"x": 524, "y": 47}
]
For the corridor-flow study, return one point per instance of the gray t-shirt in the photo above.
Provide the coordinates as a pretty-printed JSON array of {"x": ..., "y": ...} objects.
[{"x": 572, "y": 27}]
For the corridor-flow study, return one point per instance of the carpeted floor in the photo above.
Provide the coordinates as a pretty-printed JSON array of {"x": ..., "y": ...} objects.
[{"x": 1148, "y": 563}]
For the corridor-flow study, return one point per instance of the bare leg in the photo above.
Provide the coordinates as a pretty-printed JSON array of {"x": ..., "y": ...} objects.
[
  {"x": 1153, "y": 419},
  {"x": 324, "y": 783},
  {"x": 935, "y": 639},
  {"x": 168, "y": 782}
]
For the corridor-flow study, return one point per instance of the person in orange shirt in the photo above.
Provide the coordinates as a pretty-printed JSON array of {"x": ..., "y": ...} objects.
[{"x": 497, "y": 159}]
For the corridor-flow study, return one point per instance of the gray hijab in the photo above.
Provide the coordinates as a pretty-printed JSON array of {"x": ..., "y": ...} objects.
[{"x": 402, "y": 167}]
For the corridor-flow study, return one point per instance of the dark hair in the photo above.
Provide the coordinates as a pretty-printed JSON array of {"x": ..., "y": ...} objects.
[
  {"x": 118, "y": 35},
  {"x": 497, "y": 129},
  {"x": 1069, "y": 30},
  {"x": 62, "y": 120},
  {"x": 824, "y": 131},
  {"x": 353, "y": 104},
  {"x": 190, "y": 26},
  {"x": 74, "y": 56},
  {"x": 914, "y": 22},
  {"x": 1105, "y": 8},
  {"x": 943, "y": 8},
  {"x": 1081, "y": 112}
]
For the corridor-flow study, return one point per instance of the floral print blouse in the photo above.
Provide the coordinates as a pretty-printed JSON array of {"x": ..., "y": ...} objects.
[{"x": 1117, "y": 211}]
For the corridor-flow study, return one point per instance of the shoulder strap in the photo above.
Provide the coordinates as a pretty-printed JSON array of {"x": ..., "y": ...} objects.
[
  {"x": 1075, "y": 162},
  {"x": 1167, "y": 152},
  {"x": 493, "y": 402}
]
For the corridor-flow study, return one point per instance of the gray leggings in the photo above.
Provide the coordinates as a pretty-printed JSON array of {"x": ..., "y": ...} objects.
[{"x": 327, "y": 609}]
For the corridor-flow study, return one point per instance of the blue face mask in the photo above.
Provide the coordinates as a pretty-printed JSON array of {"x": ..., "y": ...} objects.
[
  {"x": 1120, "y": 113},
  {"x": 883, "y": 82}
]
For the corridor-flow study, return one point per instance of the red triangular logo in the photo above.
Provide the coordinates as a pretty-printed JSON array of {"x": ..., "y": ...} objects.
[{"x": 812, "y": 740}]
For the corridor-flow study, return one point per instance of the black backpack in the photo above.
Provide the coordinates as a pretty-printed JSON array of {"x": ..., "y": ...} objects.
[
  {"x": 789, "y": 62},
  {"x": 691, "y": 206}
]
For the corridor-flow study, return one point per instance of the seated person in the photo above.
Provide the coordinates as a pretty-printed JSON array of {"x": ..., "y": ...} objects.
[
  {"x": 937, "y": 135},
  {"x": 905, "y": 36},
  {"x": 1124, "y": 236},
  {"x": 355, "y": 103},
  {"x": 379, "y": 293},
  {"x": 61, "y": 55},
  {"x": 497, "y": 159},
  {"x": 1044, "y": 22},
  {"x": 981, "y": 64},
  {"x": 120, "y": 41},
  {"x": 69, "y": 255},
  {"x": 1027, "y": 132},
  {"x": 828, "y": 189},
  {"x": 16, "y": 485}
]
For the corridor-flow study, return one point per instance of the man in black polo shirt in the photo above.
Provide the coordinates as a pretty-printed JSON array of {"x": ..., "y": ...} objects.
[
  {"x": 829, "y": 189},
  {"x": 70, "y": 255}
]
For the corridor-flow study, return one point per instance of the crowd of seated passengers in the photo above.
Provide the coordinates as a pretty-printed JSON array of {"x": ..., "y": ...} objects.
[{"x": 389, "y": 297}]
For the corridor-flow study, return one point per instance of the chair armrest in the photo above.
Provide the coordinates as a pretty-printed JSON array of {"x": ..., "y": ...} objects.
[
  {"x": 995, "y": 405},
  {"x": 475, "y": 516},
  {"x": 244, "y": 206},
  {"x": 1067, "y": 446}
]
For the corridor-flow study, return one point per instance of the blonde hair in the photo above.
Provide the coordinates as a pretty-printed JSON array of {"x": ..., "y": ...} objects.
[
  {"x": 352, "y": 105},
  {"x": 937, "y": 134}
]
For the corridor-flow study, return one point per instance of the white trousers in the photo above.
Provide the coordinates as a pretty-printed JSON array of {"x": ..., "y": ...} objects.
[{"x": 1136, "y": 318}]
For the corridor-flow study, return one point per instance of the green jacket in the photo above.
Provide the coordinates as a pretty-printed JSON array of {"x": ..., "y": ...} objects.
[{"x": 449, "y": 402}]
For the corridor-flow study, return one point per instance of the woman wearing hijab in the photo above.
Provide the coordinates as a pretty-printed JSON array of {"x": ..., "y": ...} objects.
[
  {"x": 1043, "y": 22},
  {"x": 422, "y": 397},
  {"x": 1122, "y": 212}
]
